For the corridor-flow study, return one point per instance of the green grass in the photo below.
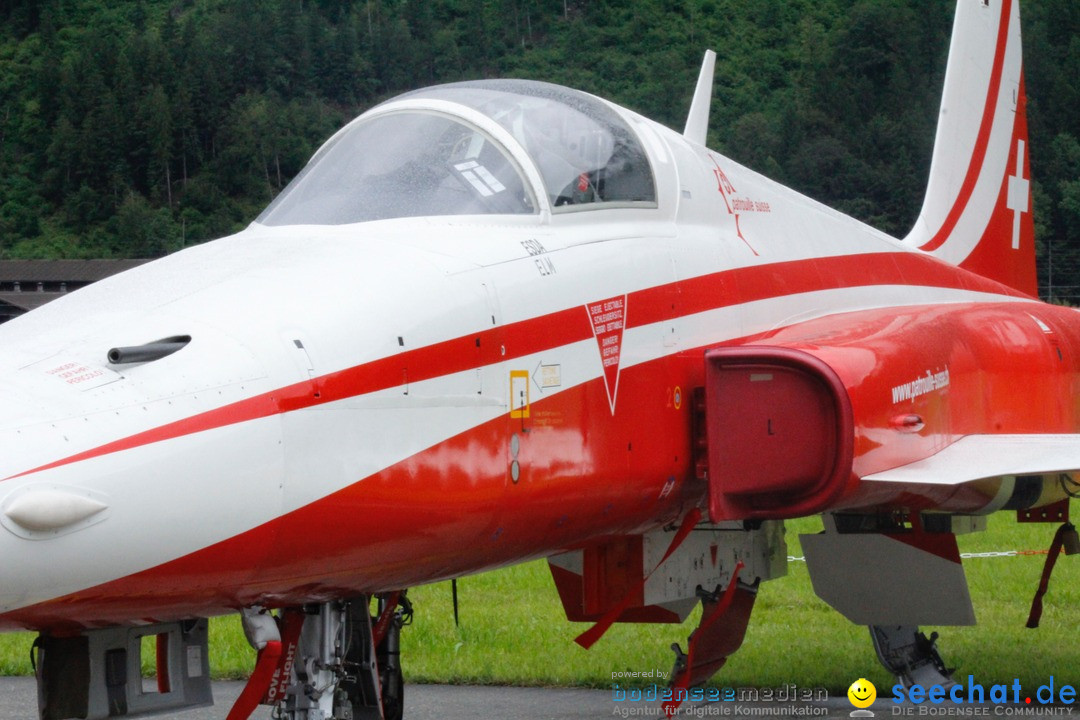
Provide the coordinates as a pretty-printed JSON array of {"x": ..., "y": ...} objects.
[{"x": 513, "y": 630}]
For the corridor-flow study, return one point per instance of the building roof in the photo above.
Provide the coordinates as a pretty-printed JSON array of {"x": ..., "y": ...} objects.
[
  {"x": 27, "y": 301},
  {"x": 78, "y": 271}
]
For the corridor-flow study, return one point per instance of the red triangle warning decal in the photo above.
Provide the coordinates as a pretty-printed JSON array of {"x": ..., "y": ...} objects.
[{"x": 608, "y": 318}]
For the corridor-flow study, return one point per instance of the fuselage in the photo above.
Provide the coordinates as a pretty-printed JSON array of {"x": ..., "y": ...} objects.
[{"x": 373, "y": 405}]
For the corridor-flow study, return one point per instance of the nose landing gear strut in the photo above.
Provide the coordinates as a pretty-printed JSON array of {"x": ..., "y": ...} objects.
[{"x": 331, "y": 661}]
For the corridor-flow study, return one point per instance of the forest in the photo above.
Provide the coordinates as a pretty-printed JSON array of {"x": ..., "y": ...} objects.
[{"x": 136, "y": 127}]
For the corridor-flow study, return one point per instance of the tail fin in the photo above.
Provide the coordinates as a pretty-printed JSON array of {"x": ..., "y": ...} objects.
[{"x": 977, "y": 211}]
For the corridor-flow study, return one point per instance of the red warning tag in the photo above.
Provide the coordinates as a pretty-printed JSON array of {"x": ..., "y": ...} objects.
[
  {"x": 291, "y": 623},
  {"x": 608, "y": 319}
]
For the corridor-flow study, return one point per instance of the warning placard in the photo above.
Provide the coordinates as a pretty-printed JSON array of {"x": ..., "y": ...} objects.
[
  {"x": 608, "y": 319},
  {"x": 80, "y": 375}
]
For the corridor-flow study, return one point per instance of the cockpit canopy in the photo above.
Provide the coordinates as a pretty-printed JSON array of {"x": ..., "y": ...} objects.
[{"x": 414, "y": 161}]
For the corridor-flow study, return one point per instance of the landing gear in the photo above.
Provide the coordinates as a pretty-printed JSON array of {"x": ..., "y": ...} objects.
[
  {"x": 337, "y": 662},
  {"x": 373, "y": 657},
  {"x": 910, "y": 656},
  {"x": 724, "y": 619}
]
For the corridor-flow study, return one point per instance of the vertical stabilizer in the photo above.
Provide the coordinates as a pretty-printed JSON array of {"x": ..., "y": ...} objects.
[
  {"x": 977, "y": 212},
  {"x": 697, "y": 122}
]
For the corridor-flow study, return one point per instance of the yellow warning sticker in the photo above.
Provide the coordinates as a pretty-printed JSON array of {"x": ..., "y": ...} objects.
[{"x": 519, "y": 393}]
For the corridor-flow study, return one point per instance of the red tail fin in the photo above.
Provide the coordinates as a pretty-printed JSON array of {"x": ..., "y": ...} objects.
[{"x": 977, "y": 212}]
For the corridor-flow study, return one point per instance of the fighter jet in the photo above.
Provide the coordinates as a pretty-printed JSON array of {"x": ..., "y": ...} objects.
[{"x": 502, "y": 320}]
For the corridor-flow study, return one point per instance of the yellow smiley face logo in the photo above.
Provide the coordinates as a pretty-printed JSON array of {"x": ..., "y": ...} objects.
[{"x": 862, "y": 693}]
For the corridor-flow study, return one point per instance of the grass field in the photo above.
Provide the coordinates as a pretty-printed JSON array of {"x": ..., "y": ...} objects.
[{"x": 513, "y": 630}]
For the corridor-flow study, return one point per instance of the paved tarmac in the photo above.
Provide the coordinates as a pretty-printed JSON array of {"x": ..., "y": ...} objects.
[{"x": 18, "y": 701}]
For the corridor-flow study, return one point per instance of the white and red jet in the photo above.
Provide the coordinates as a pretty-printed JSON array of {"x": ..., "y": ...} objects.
[{"x": 503, "y": 320}]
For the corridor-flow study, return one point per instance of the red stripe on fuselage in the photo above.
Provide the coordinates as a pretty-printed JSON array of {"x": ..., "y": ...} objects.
[
  {"x": 452, "y": 509},
  {"x": 982, "y": 141},
  {"x": 527, "y": 337}
]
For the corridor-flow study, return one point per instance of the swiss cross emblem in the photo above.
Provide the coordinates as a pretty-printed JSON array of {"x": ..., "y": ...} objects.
[{"x": 1018, "y": 193}]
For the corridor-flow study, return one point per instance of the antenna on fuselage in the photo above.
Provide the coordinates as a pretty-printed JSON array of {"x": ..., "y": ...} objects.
[{"x": 697, "y": 122}]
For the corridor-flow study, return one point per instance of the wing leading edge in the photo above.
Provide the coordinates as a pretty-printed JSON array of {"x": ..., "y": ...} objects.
[{"x": 981, "y": 457}]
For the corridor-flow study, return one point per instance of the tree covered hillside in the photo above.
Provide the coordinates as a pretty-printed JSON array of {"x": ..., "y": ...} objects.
[{"x": 135, "y": 127}]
